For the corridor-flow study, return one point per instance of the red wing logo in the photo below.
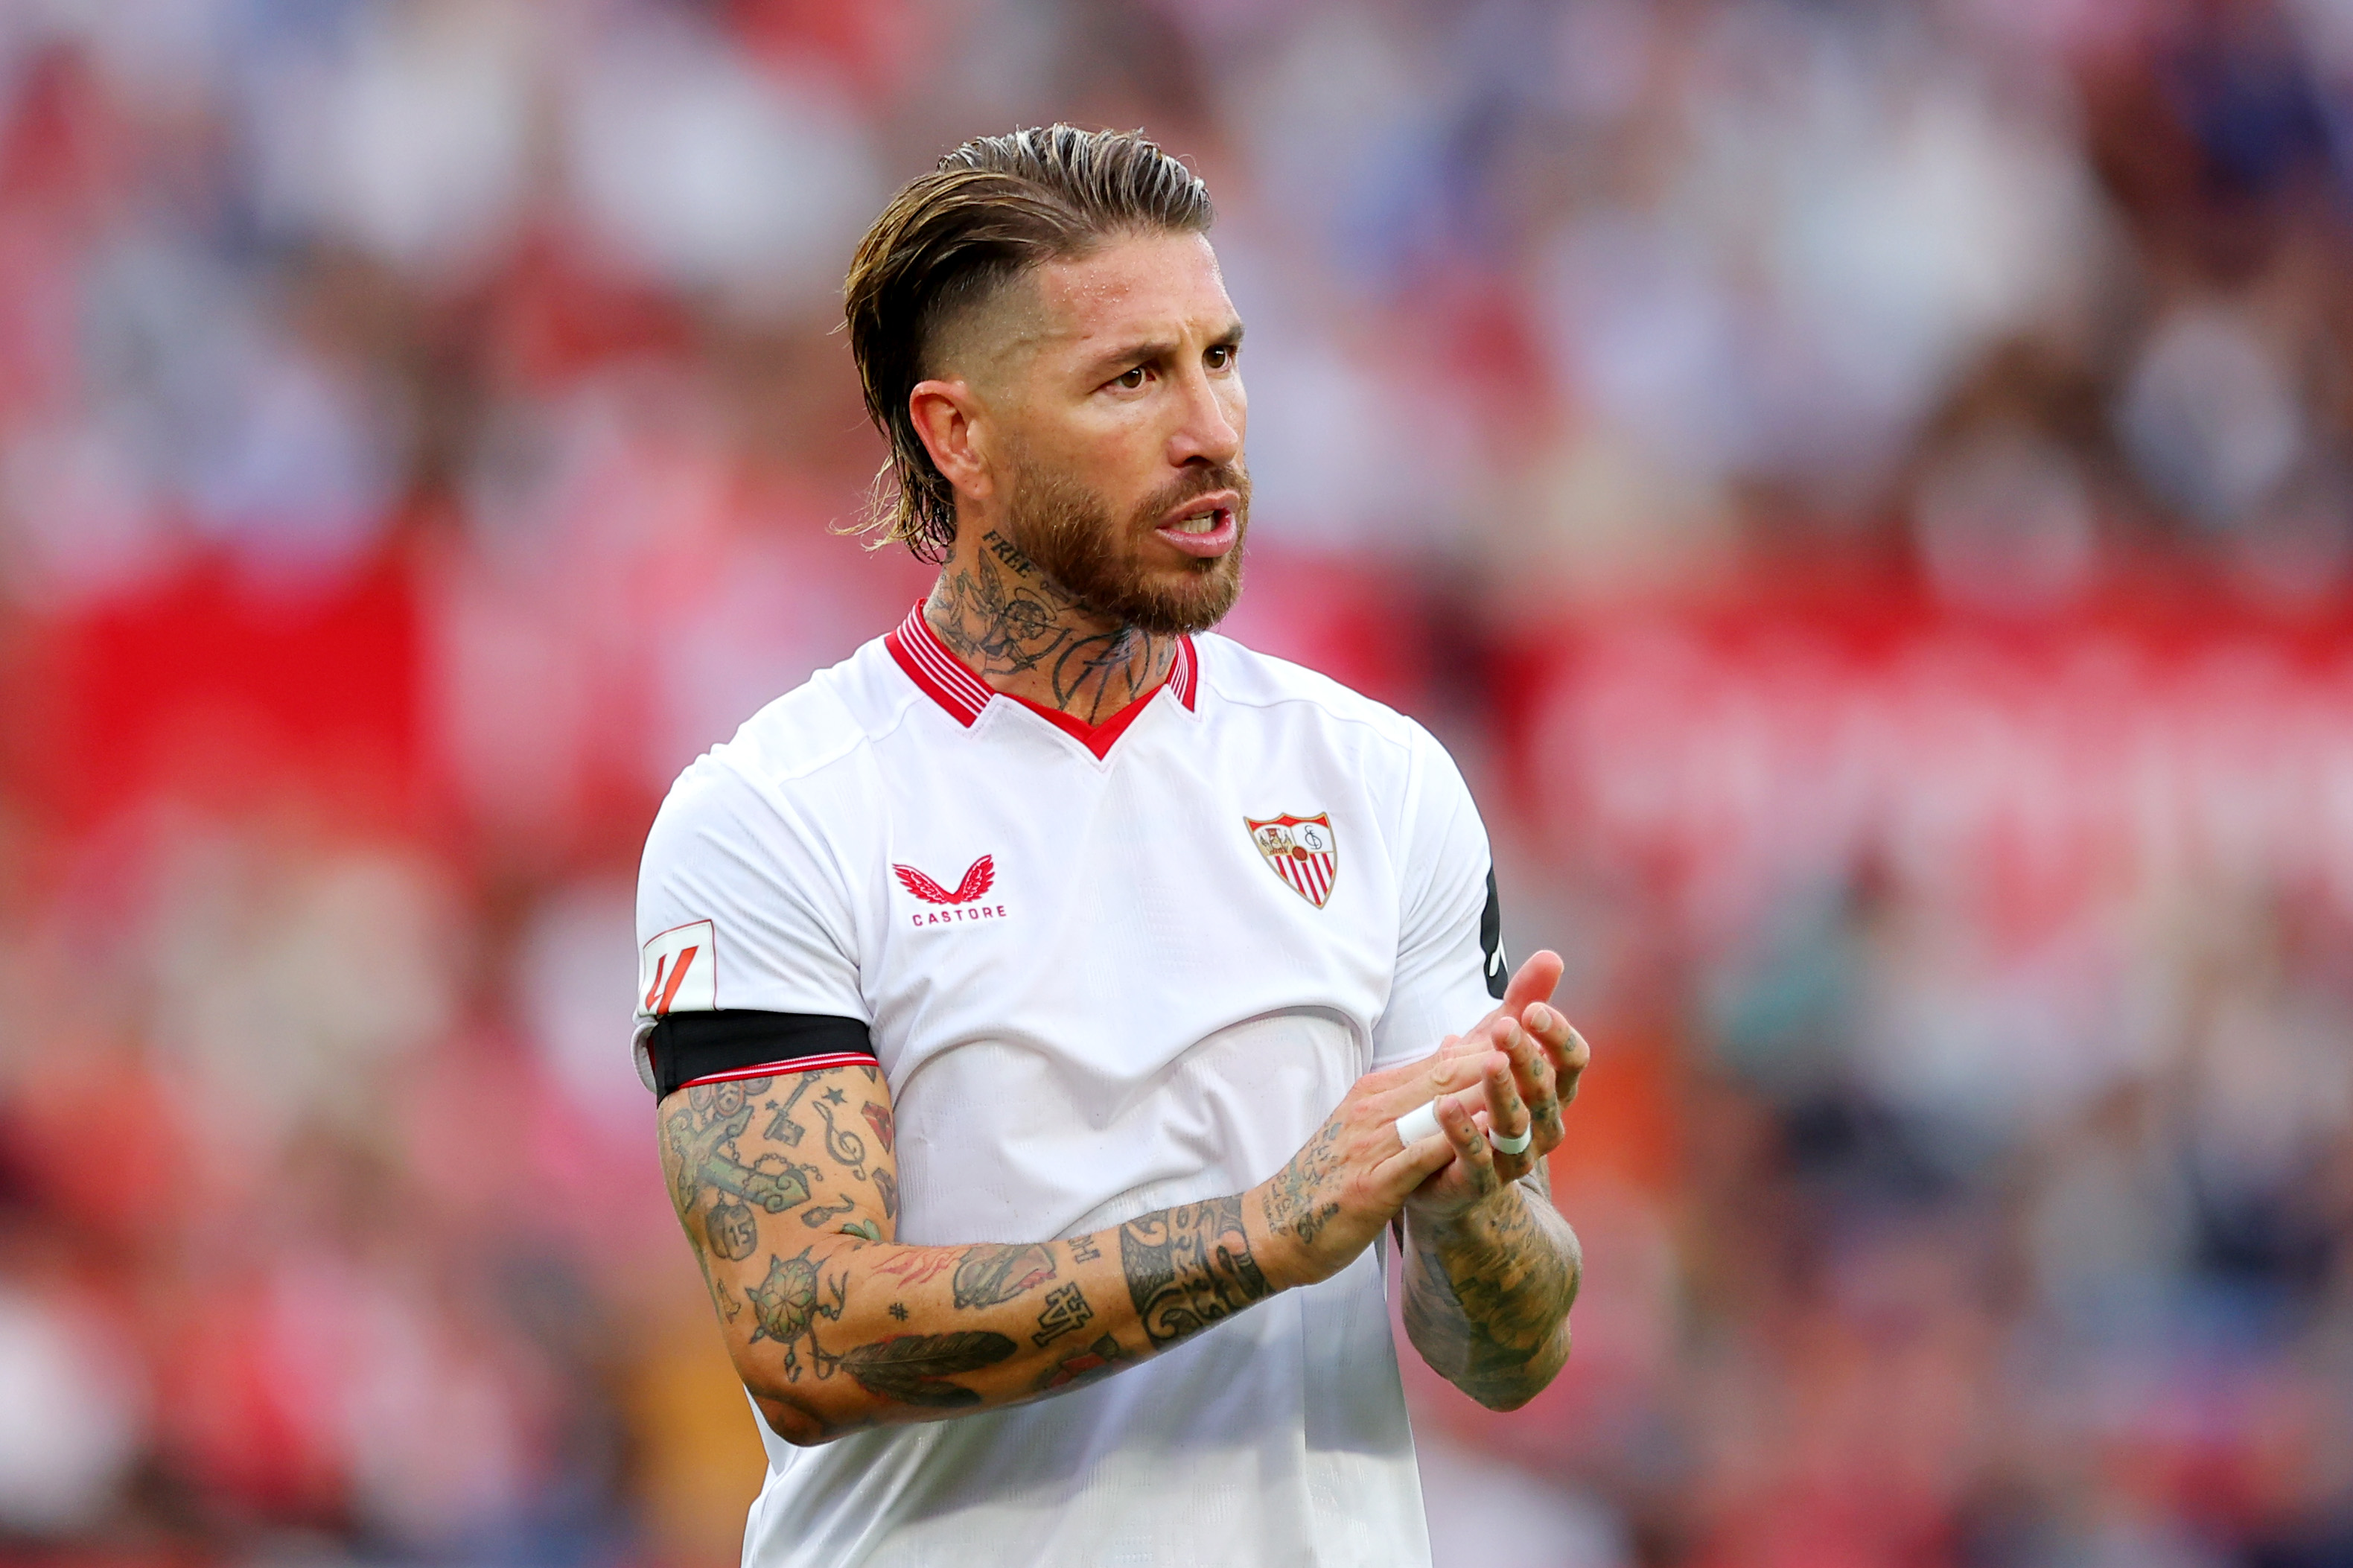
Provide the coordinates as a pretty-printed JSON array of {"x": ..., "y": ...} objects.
[
  {"x": 978, "y": 878},
  {"x": 1302, "y": 851}
]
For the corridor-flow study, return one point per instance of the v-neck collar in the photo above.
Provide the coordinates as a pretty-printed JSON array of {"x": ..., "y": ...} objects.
[{"x": 950, "y": 682}]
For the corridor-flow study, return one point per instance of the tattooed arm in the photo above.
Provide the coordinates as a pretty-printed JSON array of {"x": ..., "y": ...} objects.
[
  {"x": 788, "y": 1188},
  {"x": 1487, "y": 1291},
  {"x": 1491, "y": 1266}
]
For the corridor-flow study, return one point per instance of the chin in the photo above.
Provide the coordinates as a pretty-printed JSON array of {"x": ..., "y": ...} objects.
[{"x": 1189, "y": 599}]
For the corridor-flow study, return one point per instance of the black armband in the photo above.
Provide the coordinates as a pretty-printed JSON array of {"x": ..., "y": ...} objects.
[{"x": 686, "y": 1048}]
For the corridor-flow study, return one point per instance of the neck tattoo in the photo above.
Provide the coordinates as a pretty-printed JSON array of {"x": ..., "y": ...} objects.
[{"x": 1022, "y": 634}]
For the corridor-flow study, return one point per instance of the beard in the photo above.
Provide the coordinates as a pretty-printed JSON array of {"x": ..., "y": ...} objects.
[{"x": 1069, "y": 533}]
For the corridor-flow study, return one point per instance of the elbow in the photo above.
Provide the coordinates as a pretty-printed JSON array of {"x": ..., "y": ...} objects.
[
  {"x": 793, "y": 1423},
  {"x": 1504, "y": 1402},
  {"x": 1505, "y": 1390}
]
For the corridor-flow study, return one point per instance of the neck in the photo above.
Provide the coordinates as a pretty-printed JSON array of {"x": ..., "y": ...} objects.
[{"x": 1019, "y": 631}]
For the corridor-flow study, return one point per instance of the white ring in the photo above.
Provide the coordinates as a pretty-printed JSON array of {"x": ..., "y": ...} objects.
[
  {"x": 1416, "y": 1124},
  {"x": 1512, "y": 1145}
]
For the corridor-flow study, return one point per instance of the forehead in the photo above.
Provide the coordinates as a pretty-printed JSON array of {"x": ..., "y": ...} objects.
[{"x": 1137, "y": 288}]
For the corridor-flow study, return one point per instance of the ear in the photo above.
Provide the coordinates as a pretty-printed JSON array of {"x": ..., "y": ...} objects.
[{"x": 950, "y": 420}]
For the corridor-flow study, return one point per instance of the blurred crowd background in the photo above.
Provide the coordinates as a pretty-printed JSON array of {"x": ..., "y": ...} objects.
[{"x": 1865, "y": 489}]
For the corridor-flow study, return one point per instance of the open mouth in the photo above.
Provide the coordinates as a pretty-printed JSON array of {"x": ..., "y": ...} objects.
[{"x": 1206, "y": 527}]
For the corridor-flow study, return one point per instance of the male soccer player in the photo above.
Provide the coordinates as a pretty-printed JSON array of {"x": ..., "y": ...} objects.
[{"x": 1034, "y": 998}]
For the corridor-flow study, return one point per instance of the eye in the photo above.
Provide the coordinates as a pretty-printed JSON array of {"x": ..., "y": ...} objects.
[
  {"x": 1133, "y": 379},
  {"x": 1222, "y": 356}
]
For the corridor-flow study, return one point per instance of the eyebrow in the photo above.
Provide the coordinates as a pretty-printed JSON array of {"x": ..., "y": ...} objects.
[{"x": 1146, "y": 350}]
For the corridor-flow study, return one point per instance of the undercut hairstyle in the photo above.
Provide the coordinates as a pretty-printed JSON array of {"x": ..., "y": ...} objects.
[{"x": 953, "y": 240}]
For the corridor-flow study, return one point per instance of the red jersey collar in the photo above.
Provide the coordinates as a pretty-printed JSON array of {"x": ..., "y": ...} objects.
[{"x": 950, "y": 682}]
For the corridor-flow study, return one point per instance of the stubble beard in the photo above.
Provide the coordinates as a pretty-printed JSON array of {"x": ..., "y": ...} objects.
[{"x": 1068, "y": 531}]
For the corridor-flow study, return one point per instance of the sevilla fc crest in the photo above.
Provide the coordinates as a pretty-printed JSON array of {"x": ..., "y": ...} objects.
[{"x": 1304, "y": 851}]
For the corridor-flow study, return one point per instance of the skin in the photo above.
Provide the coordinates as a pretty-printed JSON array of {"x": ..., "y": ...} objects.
[
  {"x": 1119, "y": 374},
  {"x": 1117, "y": 371},
  {"x": 1491, "y": 1266},
  {"x": 833, "y": 1327}
]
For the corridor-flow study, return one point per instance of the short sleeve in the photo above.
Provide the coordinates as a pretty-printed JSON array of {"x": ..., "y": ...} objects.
[
  {"x": 740, "y": 907},
  {"x": 1450, "y": 968}
]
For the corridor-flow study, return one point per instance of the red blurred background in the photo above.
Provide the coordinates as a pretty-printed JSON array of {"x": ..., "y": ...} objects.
[{"x": 1862, "y": 487}]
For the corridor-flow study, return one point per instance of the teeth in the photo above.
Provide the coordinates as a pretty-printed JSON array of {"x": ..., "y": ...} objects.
[{"x": 1199, "y": 523}]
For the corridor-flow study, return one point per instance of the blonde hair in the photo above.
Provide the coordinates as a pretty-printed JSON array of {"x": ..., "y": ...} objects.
[{"x": 951, "y": 240}]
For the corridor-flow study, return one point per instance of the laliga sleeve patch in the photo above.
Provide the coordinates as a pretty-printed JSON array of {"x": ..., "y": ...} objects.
[{"x": 678, "y": 972}]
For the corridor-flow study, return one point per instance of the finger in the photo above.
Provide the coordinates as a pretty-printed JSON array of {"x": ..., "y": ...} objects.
[
  {"x": 1507, "y": 1109},
  {"x": 1532, "y": 1065},
  {"x": 1509, "y": 1117},
  {"x": 1531, "y": 1070},
  {"x": 1410, "y": 1166},
  {"x": 1561, "y": 1042},
  {"x": 1470, "y": 1145},
  {"x": 1412, "y": 1071},
  {"x": 1432, "y": 1078},
  {"x": 1551, "y": 1029},
  {"x": 1534, "y": 980},
  {"x": 1421, "y": 1122}
]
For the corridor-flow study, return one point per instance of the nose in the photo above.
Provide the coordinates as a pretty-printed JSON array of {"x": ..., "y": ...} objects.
[{"x": 1209, "y": 429}]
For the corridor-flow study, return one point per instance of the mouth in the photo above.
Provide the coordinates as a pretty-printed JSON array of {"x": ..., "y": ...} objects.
[{"x": 1203, "y": 527}]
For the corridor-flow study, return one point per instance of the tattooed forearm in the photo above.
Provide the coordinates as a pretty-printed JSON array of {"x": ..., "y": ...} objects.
[
  {"x": 990, "y": 1276},
  {"x": 1296, "y": 1202},
  {"x": 916, "y": 1266},
  {"x": 1487, "y": 1298},
  {"x": 1066, "y": 1312},
  {"x": 914, "y": 1369},
  {"x": 833, "y": 1325},
  {"x": 1097, "y": 1361},
  {"x": 1187, "y": 1266}
]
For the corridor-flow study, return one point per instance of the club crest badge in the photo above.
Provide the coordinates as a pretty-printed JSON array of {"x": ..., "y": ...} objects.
[{"x": 1302, "y": 851}]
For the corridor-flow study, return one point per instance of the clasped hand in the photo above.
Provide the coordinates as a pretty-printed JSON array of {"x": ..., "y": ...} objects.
[
  {"x": 1512, "y": 1071},
  {"x": 1534, "y": 1060}
]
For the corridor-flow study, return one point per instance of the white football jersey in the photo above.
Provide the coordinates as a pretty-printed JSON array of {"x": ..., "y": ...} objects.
[{"x": 1104, "y": 972}]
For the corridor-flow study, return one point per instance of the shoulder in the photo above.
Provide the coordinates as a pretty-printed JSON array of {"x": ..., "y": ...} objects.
[
  {"x": 1251, "y": 679},
  {"x": 834, "y": 716},
  {"x": 802, "y": 752}
]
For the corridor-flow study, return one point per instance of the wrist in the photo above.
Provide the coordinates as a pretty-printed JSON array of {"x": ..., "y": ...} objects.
[
  {"x": 1282, "y": 1262},
  {"x": 1482, "y": 1220}
]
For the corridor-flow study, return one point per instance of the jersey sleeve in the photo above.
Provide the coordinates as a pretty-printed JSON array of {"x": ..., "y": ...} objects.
[
  {"x": 1451, "y": 969},
  {"x": 746, "y": 942}
]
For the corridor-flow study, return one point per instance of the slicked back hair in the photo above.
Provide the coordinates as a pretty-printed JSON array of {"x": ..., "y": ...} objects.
[{"x": 994, "y": 208}]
